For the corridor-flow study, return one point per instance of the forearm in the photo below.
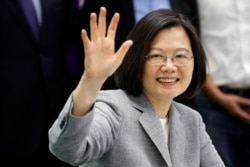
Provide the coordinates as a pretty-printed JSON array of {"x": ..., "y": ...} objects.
[
  {"x": 85, "y": 94},
  {"x": 212, "y": 90}
]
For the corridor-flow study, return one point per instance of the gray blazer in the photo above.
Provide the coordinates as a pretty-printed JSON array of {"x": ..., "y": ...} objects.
[{"x": 124, "y": 131}]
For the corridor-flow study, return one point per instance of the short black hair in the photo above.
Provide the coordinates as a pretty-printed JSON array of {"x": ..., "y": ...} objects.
[{"x": 129, "y": 74}]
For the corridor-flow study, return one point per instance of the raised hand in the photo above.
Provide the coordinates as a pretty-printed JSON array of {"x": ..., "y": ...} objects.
[{"x": 101, "y": 60}]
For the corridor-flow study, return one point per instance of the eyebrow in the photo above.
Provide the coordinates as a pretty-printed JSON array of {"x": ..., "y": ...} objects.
[{"x": 178, "y": 49}]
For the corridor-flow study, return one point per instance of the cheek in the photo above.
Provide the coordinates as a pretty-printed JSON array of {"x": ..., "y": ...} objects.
[
  {"x": 187, "y": 73},
  {"x": 148, "y": 75}
]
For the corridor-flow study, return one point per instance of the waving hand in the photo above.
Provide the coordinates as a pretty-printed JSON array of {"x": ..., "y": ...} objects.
[{"x": 101, "y": 60}]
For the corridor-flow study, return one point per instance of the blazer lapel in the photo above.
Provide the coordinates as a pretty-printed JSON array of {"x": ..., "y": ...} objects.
[
  {"x": 152, "y": 126},
  {"x": 176, "y": 137}
]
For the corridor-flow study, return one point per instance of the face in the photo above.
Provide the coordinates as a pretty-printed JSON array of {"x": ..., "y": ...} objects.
[{"x": 168, "y": 79}]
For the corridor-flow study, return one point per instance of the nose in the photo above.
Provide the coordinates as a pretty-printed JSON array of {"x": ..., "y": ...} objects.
[
  {"x": 171, "y": 60},
  {"x": 168, "y": 65}
]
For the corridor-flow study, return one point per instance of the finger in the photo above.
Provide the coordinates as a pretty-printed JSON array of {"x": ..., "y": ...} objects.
[
  {"x": 102, "y": 22},
  {"x": 85, "y": 38},
  {"x": 123, "y": 49},
  {"x": 93, "y": 27},
  {"x": 244, "y": 101},
  {"x": 113, "y": 26},
  {"x": 245, "y": 117}
]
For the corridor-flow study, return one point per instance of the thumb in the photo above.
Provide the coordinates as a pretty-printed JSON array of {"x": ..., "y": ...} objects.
[{"x": 124, "y": 48}]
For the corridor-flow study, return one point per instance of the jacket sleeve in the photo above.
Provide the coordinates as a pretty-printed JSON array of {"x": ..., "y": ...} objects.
[{"x": 77, "y": 140}]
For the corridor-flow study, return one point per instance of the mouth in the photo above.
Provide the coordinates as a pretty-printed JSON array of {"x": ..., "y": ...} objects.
[{"x": 168, "y": 80}]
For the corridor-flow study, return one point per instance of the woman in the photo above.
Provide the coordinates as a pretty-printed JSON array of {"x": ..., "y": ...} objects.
[{"x": 138, "y": 125}]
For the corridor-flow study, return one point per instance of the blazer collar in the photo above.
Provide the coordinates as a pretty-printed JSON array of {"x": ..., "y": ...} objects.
[{"x": 152, "y": 126}]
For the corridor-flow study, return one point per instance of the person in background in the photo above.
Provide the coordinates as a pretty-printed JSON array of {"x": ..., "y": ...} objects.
[
  {"x": 34, "y": 76},
  {"x": 138, "y": 124},
  {"x": 224, "y": 102},
  {"x": 131, "y": 11}
]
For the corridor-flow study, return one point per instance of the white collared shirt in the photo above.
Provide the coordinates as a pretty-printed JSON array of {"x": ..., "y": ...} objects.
[{"x": 225, "y": 35}]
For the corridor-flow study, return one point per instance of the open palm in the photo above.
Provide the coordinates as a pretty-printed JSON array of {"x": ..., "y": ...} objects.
[{"x": 101, "y": 60}]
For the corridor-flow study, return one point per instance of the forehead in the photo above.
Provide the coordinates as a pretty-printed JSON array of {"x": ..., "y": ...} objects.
[{"x": 171, "y": 38}]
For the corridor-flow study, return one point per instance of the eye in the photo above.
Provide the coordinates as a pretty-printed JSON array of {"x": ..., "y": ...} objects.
[
  {"x": 155, "y": 56},
  {"x": 181, "y": 56}
]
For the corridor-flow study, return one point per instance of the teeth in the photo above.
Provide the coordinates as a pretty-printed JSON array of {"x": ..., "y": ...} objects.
[{"x": 167, "y": 79}]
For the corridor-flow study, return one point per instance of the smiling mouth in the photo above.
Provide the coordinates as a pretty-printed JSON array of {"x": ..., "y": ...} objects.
[{"x": 167, "y": 80}]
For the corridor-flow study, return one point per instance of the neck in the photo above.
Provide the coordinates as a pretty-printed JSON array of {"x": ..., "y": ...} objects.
[{"x": 160, "y": 106}]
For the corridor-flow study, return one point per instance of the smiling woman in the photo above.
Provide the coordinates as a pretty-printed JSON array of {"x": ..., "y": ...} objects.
[
  {"x": 168, "y": 79},
  {"x": 139, "y": 124}
]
